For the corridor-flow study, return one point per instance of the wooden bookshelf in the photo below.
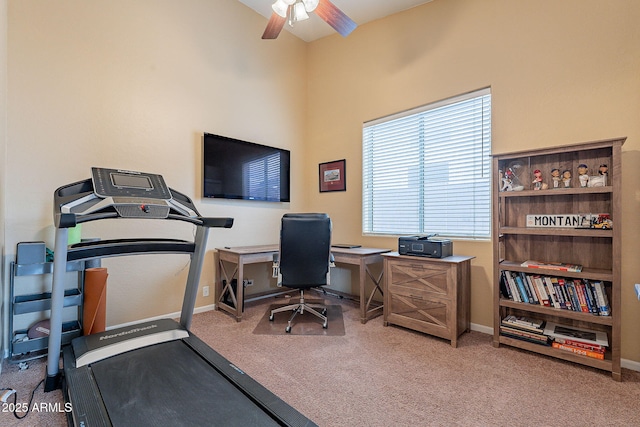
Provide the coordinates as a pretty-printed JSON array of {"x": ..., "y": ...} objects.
[{"x": 597, "y": 251}]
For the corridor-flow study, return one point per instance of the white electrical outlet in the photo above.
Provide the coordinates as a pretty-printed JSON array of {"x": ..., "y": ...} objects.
[{"x": 205, "y": 291}]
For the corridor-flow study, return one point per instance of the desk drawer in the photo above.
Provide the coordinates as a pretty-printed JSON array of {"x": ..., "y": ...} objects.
[
  {"x": 426, "y": 311},
  {"x": 422, "y": 279}
]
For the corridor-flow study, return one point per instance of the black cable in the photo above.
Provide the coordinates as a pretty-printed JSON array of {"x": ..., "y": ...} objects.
[{"x": 15, "y": 402}]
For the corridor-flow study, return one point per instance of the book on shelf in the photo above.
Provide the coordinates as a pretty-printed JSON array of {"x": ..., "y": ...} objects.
[
  {"x": 604, "y": 309},
  {"x": 524, "y": 321},
  {"x": 583, "y": 335},
  {"x": 555, "y": 302},
  {"x": 593, "y": 347},
  {"x": 524, "y": 336},
  {"x": 552, "y": 266},
  {"x": 543, "y": 295},
  {"x": 525, "y": 329},
  {"x": 578, "y": 350},
  {"x": 585, "y": 288},
  {"x": 524, "y": 289},
  {"x": 565, "y": 293},
  {"x": 529, "y": 285},
  {"x": 581, "y": 295},
  {"x": 514, "y": 287}
]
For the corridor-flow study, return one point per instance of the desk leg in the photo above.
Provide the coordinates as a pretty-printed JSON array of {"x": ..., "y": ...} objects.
[
  {"x": 223, "y": 287},
  {"x": 240, "y": 291},
  {"x": 365, "y": 312}
]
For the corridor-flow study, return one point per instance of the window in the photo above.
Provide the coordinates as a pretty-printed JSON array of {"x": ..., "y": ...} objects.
[{"x": 428, "y": 170}]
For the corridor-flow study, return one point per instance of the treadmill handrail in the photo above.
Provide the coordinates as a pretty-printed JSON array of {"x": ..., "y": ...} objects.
[
  {"x": 70, "y": 220},
  {"x": 120, "y": 247}
]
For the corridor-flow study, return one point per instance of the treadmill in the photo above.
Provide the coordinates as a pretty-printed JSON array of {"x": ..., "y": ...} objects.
[{"x": 155, "y": 373}]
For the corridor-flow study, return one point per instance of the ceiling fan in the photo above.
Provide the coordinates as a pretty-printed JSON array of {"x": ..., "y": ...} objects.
[{"x": 297, "y": 10}]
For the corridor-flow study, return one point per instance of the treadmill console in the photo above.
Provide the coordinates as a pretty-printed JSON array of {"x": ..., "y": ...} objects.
[
  {"x": 131, "y": 194},
  {"x": 124, "y": 183}
]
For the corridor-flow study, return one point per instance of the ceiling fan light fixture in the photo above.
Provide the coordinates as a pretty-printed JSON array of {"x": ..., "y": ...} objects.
[
  {"x": 281, "y": 7},
  {"x": 299, "y": 12},
  {"x": 310, "y": 5}
]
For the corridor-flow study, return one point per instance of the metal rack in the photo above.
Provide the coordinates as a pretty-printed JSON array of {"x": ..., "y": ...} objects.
[{"x": 39, "y": 302}]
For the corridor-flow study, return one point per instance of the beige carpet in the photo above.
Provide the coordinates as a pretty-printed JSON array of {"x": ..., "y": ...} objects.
[
  {"x": 378, "y": 376},
  {"x": 303, "y": 324},
  {"x": 24, "y": 382}
]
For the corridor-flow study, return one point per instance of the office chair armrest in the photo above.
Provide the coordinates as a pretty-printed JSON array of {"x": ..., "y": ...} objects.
[{"x": 275, "y": 268}]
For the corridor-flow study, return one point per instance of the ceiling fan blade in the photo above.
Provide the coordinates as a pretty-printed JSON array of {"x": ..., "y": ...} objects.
[
  {"x": 335, "y": 17},
  {"x": 274, "y": 26}
]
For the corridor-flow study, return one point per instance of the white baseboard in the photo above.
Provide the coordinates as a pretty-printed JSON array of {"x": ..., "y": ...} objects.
[
  {"x": 174, "y": 315},
  {"x": 481, "y": 328},
  {"x": 630, "y": 364}
]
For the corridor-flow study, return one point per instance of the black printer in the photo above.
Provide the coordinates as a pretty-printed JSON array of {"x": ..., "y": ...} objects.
[{"x": 427, "y": 246}]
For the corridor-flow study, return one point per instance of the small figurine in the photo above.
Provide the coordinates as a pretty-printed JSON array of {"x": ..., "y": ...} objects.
[
  {"x": 566, "y": 178},
  {"x": 582, "y": 175},
  {"x": 537, "y": 182},
  {"x": 603, "y": 171},
  {"x": 510, "y": 181},
  {"x": 555, "y": 175},
  {"x": 507, "y": 180}
]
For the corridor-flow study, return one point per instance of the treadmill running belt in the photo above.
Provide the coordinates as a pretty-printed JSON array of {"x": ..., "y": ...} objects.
[{"x": 165, "y": 385}]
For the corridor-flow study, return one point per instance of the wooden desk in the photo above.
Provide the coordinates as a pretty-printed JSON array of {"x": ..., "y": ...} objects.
[{"x": 240, "y": 256}]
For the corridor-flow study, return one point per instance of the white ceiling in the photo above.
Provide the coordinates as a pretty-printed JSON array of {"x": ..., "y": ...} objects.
[{"x": 361, "y": 11}]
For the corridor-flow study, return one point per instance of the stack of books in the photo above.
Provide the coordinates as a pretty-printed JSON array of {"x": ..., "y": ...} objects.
[
  {"x": 581, "y": 341},
  {"x": 525, "y": 329}
]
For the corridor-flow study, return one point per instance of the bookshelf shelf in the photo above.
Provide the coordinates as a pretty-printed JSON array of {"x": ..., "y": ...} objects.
[
  {"x": 598, "y": 251},
  {"x": 566, "y": 232},
  {"x": 556, "y": 192},
  {"x": 586, "y": 273},
  {"x": 606, "y": 364},
  {"x": 558, "y": 312}
]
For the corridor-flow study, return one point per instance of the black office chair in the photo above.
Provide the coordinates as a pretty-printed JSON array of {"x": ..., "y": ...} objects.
[{"x": 304, "y": 259}]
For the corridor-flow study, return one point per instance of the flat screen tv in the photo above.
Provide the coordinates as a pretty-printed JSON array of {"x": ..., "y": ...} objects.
[{"x": 235, "y": 169}]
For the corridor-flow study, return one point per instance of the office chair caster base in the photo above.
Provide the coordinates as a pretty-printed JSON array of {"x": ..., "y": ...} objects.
[
  {"x": 325, "y": 325},
  {"x": 288, "y": 329},
  {"x": 271, "y": 317}
]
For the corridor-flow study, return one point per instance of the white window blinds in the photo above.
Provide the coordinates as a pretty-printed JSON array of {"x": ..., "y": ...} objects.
[{"x": 428, "y": 170}]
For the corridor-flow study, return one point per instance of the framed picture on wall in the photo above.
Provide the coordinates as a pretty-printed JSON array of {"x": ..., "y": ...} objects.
[{"x": 333, "y": 176}]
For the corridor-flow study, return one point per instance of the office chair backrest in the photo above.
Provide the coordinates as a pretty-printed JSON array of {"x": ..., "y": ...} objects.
[{"x": 305, "y": 248}]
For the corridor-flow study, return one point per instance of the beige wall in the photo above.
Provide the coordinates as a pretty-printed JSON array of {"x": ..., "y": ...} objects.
[
  {"x": 3, "y": 147},
  {"x": 560, "y": 72},
  {"x": 135, "y": 84}
]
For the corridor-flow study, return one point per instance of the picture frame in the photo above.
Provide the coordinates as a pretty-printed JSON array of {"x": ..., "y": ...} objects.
[{"x": 333, "y": 176}]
